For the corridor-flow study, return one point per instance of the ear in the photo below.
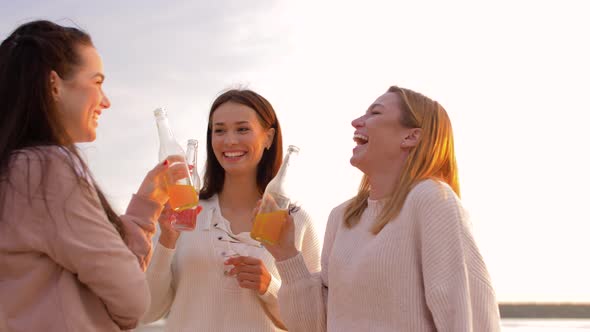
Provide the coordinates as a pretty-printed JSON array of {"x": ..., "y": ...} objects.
[
  {"x": 270, "y": 136},
  {"x": 412, "y": 138},
  {"x": 55, "y": 83}
]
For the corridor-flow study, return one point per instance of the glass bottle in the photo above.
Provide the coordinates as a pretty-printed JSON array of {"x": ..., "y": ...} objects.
[
  {"x": 186, "y": 220},
  {"x": 179, "y": 183},
  {"x": 273, "y": 211}
]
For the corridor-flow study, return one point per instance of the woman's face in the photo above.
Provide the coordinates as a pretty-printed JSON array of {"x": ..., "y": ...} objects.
[
  {"x": 381, "y": 139},
  {"x": 238, "y": 138},
  {"x": 80, "y": 99}
]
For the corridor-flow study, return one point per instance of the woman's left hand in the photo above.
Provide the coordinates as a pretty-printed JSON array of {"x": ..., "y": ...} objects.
[{"x": 250, "y": 272}]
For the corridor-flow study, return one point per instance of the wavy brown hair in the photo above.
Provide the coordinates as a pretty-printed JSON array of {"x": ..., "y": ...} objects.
[
  {"x": 432, "y": 158},
  {"x": 29, "y": 118},
  {"x": 271, "y": 159}
]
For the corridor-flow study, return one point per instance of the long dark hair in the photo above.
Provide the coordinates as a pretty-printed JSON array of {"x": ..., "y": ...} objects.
[
  {"x": 29, "y": 117},
  {"x": 271, "y": 159}
]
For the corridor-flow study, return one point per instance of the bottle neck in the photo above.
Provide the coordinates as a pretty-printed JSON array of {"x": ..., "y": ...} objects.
[
  {"x": 164, "y": 131},
  {"x": 283, "y": 169},
  {"x": 191, "y": 155}
]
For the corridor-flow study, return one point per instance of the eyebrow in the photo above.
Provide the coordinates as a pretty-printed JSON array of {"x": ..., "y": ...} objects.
[
  {"x": 375, "y": 105},
  {"x": 237, "y": 122},
  {"x": 100, "y": 75}
]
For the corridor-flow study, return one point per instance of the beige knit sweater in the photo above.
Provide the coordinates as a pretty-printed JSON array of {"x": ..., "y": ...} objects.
[
  {"x": 188, "y": 283},
  {"x": 422, "y": 272}
]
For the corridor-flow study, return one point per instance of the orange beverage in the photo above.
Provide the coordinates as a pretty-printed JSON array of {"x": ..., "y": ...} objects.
[
  {"x": 268, "y": 226},
  {"x": 182, "y": 196}
]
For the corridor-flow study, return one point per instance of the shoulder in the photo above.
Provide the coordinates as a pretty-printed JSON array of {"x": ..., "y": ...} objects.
[
  {"x": 51, "y": 158},
  {"x": 31, "y": 166},
  {"x": 430, "y": 191},
  {"x": 435, "y": 204},
  {"x": 336, "y": 217},
  {"x": 338, "y": 211}
]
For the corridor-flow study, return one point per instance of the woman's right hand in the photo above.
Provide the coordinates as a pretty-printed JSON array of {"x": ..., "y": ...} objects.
[{"x": 285, "y": 247}]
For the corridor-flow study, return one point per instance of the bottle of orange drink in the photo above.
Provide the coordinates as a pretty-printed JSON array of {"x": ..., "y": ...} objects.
[
  {"x": 186, "y": 220},
  {"x": 179, "y": 183},
  {"x": 274, "y": 207}
]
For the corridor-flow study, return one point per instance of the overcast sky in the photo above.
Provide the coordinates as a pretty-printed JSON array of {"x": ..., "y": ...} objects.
[{"x": 513, "y": 76}]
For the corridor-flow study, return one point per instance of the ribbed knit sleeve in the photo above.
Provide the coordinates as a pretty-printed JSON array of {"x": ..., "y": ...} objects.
[
  {"x": 457, "y": 287},
  {"x": 303, "y": 294},
  {"x": 308, "y": 244},
  {"x": 159, "y": 277}
]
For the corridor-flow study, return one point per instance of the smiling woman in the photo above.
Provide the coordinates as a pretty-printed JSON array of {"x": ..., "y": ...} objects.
[
  {"x": 60, "y": 240},
  {"x": 218, "y": 278},
  {"x": 80, "y": 97}
]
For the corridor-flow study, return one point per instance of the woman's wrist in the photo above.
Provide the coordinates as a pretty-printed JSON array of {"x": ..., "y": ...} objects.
[
  {"x": 287, "y": 254},
  {"x": 168, "y": 240}
]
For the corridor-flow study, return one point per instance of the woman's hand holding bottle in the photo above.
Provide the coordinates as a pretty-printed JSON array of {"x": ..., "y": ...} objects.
[{"x": 284, "y": 248}]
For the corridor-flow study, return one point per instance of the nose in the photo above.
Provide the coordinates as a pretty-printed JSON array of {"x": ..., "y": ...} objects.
[
  {"x": 105, "y": 102},
  {"x": 358, "y": 122},
  {"x": 230, "y": 138}
]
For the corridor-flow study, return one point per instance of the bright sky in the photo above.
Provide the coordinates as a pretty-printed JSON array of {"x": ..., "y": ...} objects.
[{"x": 513, "y": 76}]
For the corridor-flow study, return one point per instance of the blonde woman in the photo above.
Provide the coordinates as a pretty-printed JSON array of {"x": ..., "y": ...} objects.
[{"x": 400, "y": 255}]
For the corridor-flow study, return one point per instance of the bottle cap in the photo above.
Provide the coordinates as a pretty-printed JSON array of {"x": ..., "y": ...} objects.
[
  {"x": 159, "y": 112},
  {"x": 293, "y": 148}
]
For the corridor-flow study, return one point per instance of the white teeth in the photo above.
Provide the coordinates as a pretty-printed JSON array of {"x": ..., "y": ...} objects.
[
  {"x": 363, "y": 137},
  {"x": 234, "y": 154}
]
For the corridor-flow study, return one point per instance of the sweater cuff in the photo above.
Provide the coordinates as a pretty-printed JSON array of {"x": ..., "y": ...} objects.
[
  {"x": 162, "y": 259},
  {"x": 272, "y": 290},
  {"x": 293, "y": 269},
  {"x": 144, "y": 208}
]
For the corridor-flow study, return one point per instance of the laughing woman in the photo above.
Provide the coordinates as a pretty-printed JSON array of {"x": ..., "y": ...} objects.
[{"x": 400, "y": 255}]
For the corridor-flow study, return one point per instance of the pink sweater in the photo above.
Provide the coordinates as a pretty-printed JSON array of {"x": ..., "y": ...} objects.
[
  {"x": 421, "y": 273},
  {"x": 63, "y": 266}
]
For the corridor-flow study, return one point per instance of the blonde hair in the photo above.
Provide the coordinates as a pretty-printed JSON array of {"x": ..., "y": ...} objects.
[{"x": 432, "y": 158}]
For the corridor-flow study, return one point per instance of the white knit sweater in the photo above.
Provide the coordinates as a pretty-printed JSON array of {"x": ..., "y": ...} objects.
[
  {"x": 422, "y": 272},
  {"x": 188, "y": 282}
]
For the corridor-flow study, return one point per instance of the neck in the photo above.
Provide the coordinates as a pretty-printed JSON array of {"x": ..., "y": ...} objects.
[
  {"x": 239, "y": 191},
  {"x": 384, "y": 182}
]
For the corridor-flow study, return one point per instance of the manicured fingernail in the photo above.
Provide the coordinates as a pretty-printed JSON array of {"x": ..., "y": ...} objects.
[{"x": 165, "y": 162}]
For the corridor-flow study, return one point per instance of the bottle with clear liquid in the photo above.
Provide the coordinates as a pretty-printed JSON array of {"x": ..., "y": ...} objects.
[
  {"x": 186, "y": 220},
  {"x": 181, "y": 191},
  {"x": 272, "y": 215}
]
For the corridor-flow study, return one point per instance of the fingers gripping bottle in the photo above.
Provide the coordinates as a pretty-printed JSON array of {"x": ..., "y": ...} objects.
[
  {"x": 273, "y": 211},
  {"x": 179, "y": 183},
  {"x": 186, "y": 220}
]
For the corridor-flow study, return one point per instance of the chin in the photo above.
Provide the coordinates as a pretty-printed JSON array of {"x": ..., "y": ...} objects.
[
  {"x": 85, "y": 139},
  {"x": 356, "y": 162},
  {"x": 89, "y": 137}
]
